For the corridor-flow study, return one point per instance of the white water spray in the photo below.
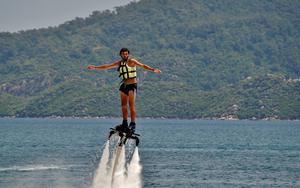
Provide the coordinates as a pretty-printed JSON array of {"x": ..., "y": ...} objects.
[
  {"x": 134, "y": 179},
  {"x": 114, "y": 171},
  {"x": 118, "y": 172},
  {"x": 100, "y": 179}
]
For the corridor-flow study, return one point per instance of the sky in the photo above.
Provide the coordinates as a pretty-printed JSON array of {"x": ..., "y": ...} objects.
[{"x": 16, "y": 15}]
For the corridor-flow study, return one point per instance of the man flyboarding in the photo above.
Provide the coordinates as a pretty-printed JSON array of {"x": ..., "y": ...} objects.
[{"x": 127, "y": 71}]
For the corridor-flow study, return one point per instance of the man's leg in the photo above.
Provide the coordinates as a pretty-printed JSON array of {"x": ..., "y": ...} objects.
[
  {"x": 124, "y": 100},
  {"x": 131, "y": 96}
]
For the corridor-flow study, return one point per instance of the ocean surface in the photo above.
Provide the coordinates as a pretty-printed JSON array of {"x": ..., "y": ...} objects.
[{"x": 65, "y": 153}]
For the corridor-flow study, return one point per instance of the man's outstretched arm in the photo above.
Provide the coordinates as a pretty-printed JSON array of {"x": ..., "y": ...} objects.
[
  {"x": 147, "y": 67},
  {"x": 104, "y": 66}
]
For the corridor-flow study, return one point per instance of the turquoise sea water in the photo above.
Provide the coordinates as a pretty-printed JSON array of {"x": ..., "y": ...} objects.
[{"x": 174, "y": 153}]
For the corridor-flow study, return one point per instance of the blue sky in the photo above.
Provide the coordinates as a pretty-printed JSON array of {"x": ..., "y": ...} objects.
[{"x": 16, "y": 15}]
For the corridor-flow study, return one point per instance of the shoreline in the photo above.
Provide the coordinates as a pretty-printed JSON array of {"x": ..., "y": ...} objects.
[{"x": 154, "y": 118}]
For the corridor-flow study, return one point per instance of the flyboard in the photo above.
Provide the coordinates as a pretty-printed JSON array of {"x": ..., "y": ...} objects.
[{"x": 124, "y": 135}]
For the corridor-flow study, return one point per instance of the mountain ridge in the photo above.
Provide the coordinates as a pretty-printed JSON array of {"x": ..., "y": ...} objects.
[{"x": 204, "y": 48}]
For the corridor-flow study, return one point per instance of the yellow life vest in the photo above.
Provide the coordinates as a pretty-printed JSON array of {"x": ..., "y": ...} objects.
[{"x": 125, "y": 71}]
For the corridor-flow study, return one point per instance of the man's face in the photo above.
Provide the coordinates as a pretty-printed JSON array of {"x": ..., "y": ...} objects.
[{"x": 125, "y": 55}]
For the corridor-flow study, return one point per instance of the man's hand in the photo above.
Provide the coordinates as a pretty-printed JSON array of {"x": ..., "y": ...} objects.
[
  {"x": 91, "y": 67},
  {"x": 157, "y": 71}
]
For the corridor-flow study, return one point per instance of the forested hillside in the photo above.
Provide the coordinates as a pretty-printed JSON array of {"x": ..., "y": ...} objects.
[{"x": 230, "y": 59}]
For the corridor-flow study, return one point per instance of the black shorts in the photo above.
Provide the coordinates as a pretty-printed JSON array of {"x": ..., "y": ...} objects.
[{"x": 125, "y": 88}]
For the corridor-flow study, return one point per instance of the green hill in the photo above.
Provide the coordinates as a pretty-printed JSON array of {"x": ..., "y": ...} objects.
[{"x": 238, "y": 59}]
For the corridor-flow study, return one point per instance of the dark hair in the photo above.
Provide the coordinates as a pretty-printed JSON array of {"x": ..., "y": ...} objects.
[{"x": 124, "y": 50}]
